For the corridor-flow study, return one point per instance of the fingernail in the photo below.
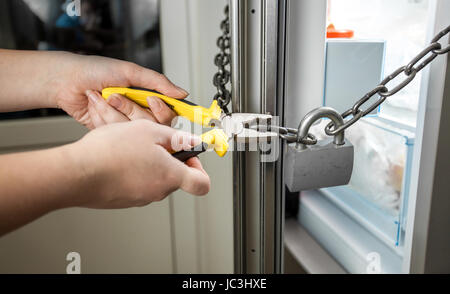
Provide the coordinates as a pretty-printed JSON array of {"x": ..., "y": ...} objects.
[
  {"x": 92, "y": 96},
  {"x": 155, "y": 104},
  {"x": 115, "y": 101},
  {"x": 182, "y": 91}
]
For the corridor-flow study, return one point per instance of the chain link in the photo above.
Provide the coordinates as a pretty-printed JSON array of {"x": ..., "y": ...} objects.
[
  {"x": 291, "y": 135},
  {"x": 410, "y": 71},
  {"x": 222, "y": 61}
]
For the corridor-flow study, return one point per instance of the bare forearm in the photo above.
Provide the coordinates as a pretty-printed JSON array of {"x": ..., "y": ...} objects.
[
  {"x": 35, "y": 183},
  {"x": 116, "y": 166},
  {"x": 28, "y": 78}
]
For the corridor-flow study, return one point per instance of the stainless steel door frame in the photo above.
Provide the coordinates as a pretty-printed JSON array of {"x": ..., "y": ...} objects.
[
  {"x": 257, "y": 41},
  {"x": 427, "y": 240}
]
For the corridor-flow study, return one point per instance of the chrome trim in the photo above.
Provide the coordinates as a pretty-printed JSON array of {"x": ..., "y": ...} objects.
[
  {"x": 237, "y": 78},
  {"x": 258, "y": 190}
]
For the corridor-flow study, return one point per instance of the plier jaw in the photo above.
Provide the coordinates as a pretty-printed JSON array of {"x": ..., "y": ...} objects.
[
  {"x": 242, "y": 128},
  {"x": 247, "y": 128}
]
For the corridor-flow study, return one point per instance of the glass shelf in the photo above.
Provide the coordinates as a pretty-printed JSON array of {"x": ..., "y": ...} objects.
[{"x": 377, "y": 194}]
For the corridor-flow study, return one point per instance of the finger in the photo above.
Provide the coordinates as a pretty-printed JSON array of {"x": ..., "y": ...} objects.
[
  {"x": 167, "y": 137},
  {"x": 162, "y": 112},
  {"x": 190, "y": 177},
  {"x": 96, "y": 120},
  {"x": 130, "y": 109},
  {"x": 172, "y": 139},
  {"x": 195, "y": 180},
  {"x": 147, "y": 78},
  {"x": 104, "y": 110},
  {"x": 183, "y": 141},
  {"x": 194, "y": 162}
]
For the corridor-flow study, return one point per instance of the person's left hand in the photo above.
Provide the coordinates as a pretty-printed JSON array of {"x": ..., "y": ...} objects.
[{"x": 78, "y": 91}]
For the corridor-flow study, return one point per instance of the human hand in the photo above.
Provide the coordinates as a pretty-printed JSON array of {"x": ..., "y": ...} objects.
[
  {"x": 120, "y": 109},
  {"x": 129, "y": 164},
  {"x": 77, "y": 91}
]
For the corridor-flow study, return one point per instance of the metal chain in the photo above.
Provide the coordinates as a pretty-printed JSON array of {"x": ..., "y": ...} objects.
[
  {"x": 223, "y": 95},
  {"x": 410, "y": 71},
  {"x": 222, "y": 61},
  {"x": 291, "y": 135}
]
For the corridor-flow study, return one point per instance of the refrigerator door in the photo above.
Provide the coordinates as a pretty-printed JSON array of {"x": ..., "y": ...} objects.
[
  {"x": 257, "y": 57},
  {"x": 278, "y": 67},
  {"x": 396, "y": 196},
  {"x": 261, "y": 53}
]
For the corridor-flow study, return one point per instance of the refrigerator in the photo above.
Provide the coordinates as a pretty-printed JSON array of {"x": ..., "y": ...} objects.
[{"x": 391, "y": 217}]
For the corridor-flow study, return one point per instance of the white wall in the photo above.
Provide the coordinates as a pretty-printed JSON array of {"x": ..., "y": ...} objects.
[{"x": 203, "y": 226}]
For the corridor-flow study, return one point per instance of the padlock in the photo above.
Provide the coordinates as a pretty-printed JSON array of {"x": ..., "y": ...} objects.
[{"x": 327, "y": 163}]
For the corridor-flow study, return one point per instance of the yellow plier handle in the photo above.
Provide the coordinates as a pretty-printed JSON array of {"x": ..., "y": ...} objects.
[
  {"x": 216, "y": 138},
  {"x": 195, "y": 113}
]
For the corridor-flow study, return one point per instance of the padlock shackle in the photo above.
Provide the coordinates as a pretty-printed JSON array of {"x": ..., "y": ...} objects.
[{"x": 312, "y": 117}]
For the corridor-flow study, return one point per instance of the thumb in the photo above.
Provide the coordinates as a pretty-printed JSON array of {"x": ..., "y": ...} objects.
[
  {"x": 147, "y": 78},
  {"x": 195, "y": 181}
]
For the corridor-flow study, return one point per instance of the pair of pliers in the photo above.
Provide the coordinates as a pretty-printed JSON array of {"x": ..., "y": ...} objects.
[{"x": 241, "y": 127}]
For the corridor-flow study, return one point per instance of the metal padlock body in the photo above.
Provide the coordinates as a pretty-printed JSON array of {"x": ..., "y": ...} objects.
[{"x": 318, "y": 166}]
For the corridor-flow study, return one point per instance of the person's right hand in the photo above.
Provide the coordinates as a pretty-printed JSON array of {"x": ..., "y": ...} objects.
[{"x": 129, "y": 164}]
